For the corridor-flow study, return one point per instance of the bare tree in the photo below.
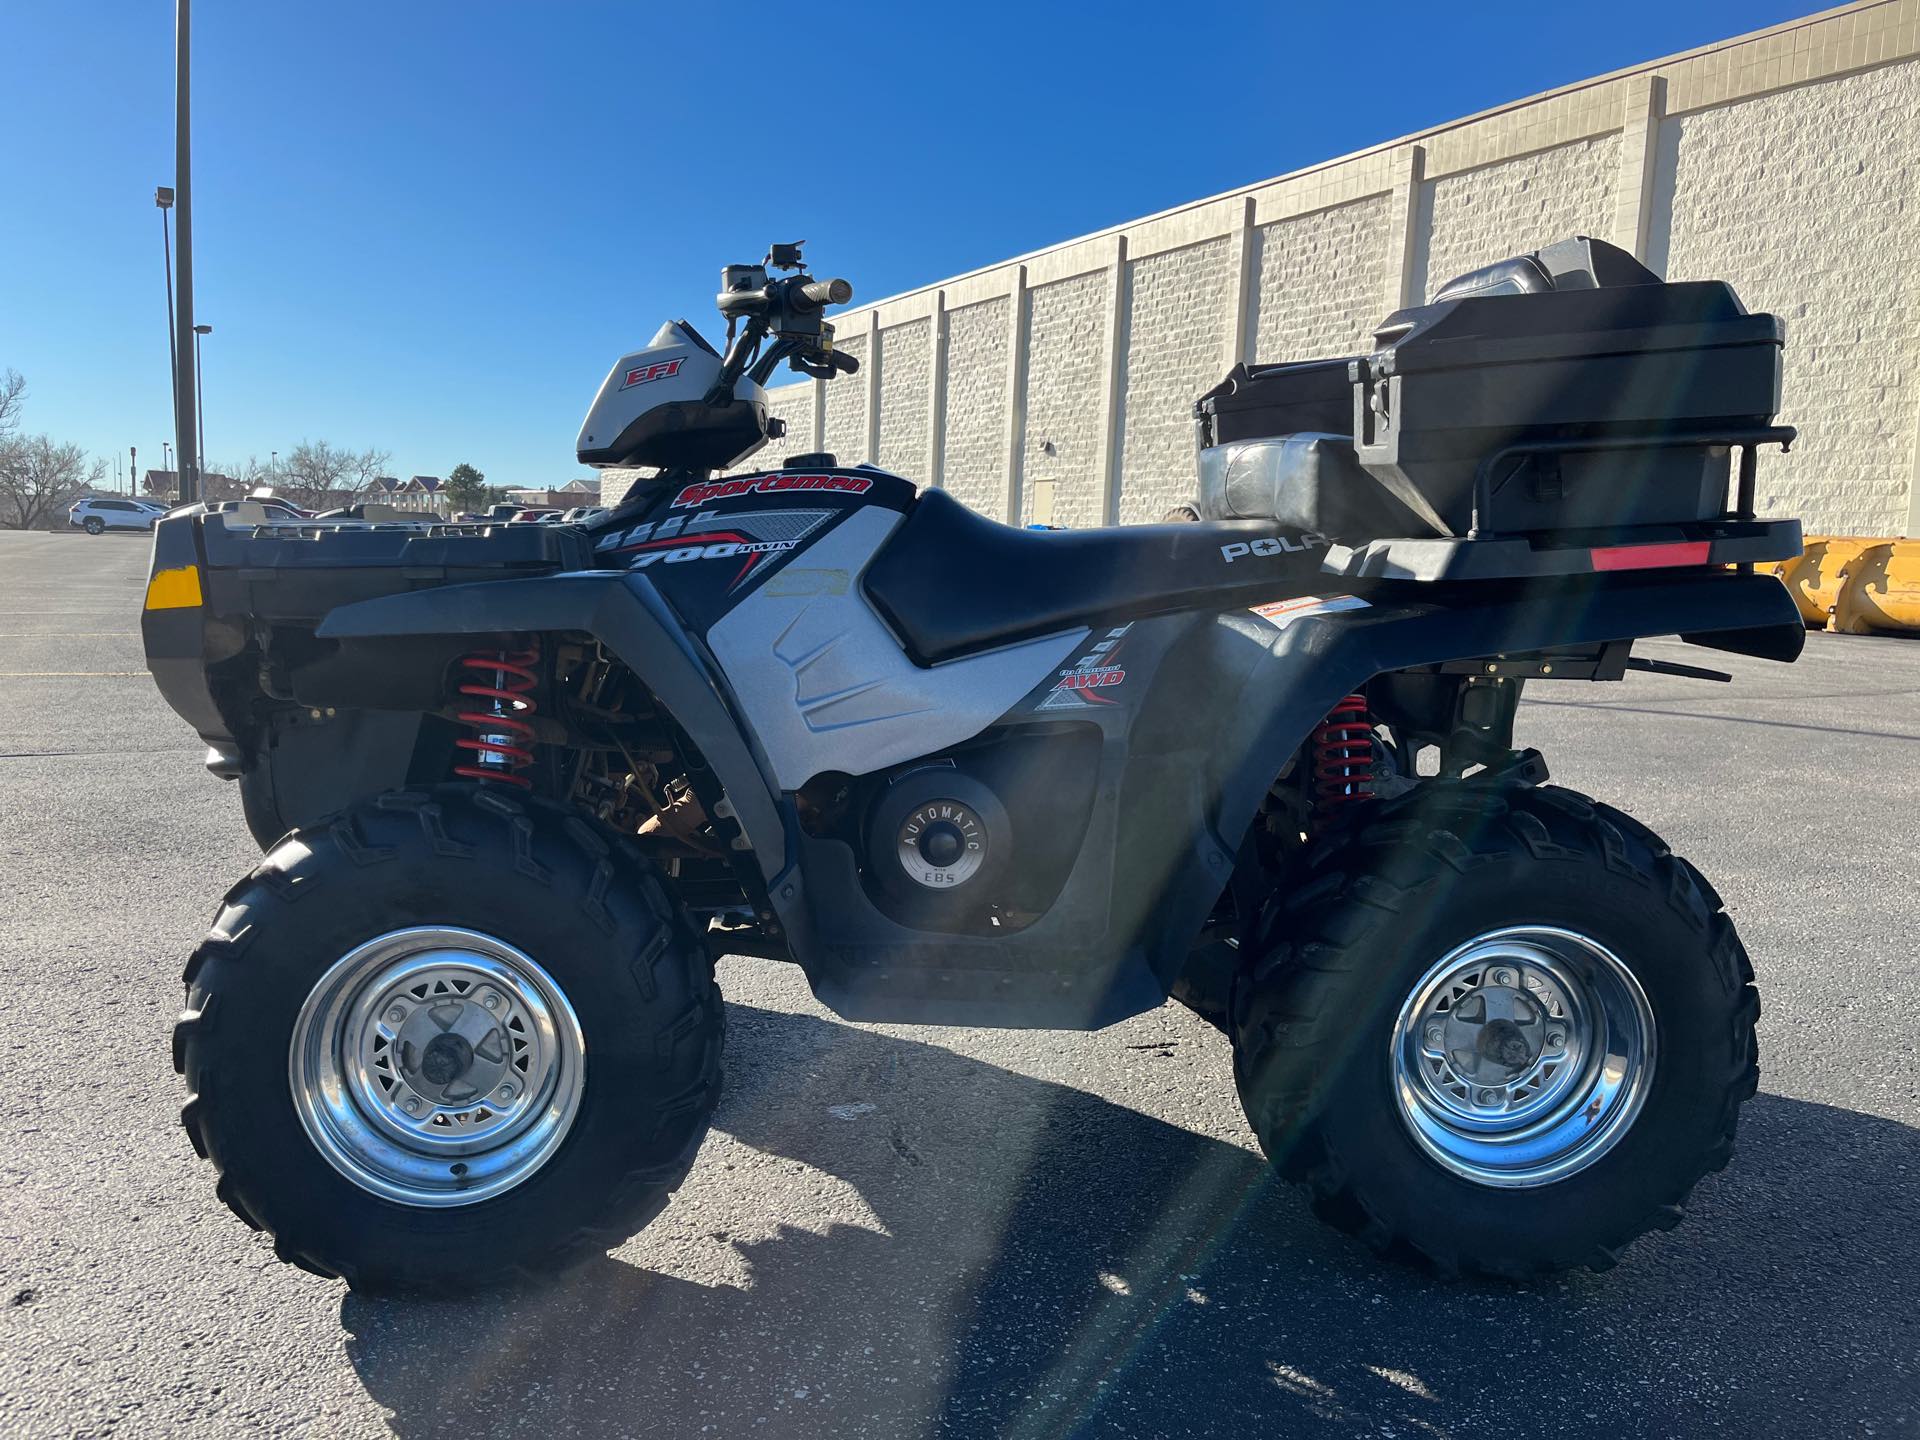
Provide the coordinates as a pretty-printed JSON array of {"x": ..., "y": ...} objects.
[
  {"x": 39, "y": 479},
  {"x": 13, "y": 394},
  {"x": 318, "y": 473},
  {"x": 368, "y": 466}
]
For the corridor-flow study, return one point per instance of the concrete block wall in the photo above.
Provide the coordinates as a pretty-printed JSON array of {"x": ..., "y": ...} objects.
[
  {"x": 1502, "y": 209},
  {"x": 973, "y": 458},
  {"x": 1321, "y": 280},
  {"x": 1057, "y": 386},
  {"x": 1179, "y": 307},
  {"x": 1807, "y": 200}
]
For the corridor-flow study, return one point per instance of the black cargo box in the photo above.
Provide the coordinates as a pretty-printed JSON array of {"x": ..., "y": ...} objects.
[
  {"x": 1668, "y": 376},
  {"x": 1255, "y": 401},
  {"x": 1568, "y": 389}
]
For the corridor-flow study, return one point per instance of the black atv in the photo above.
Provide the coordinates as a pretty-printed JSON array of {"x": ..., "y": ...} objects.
[{"x": 519, "y": 786}]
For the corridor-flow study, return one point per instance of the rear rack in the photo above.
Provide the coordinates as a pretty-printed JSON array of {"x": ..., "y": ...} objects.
[
  {"x": 1748, "y": 439},
  {"x": 1486, "y": 553},
  {"x": 1519, "y": 557}
]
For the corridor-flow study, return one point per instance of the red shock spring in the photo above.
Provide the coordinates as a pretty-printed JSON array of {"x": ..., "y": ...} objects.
[
  {"x": 1343, "y": 756},
  {"x": 503, "y": 743}
]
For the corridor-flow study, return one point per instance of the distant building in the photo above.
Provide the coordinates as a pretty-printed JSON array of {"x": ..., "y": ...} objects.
[
  {"x": 581, "y": 491},
  {"x": 420, "y": 492},
  {"x": 213, "y": 485}
]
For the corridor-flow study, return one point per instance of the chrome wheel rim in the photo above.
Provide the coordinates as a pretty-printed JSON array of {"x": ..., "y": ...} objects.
[
  {"x": 1523, "y": 1056},
  {"x": 436, "y": 1066}
]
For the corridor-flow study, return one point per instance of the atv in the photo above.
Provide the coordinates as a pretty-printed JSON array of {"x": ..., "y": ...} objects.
[{"x": 520, "y": 786}]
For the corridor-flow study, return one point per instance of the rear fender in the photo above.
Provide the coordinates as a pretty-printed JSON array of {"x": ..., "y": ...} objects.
[
  {"x": 1308, "y": 665},
  {"x": 626, "y": 614}
]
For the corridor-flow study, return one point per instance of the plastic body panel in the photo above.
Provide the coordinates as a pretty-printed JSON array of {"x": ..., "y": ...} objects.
[
  {"x": 628, "y": 615},
  {"x": 1212, "y": 707},
  {"x": 650, "y": 409},
  {"x": 827, "y": 686},
  {"x": 1195, "y": 712}
]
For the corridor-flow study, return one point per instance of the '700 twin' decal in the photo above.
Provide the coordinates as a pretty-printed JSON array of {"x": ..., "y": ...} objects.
[{"x": 755, "y": 537}]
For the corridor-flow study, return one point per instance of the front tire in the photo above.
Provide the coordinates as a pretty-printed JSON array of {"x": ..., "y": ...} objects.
[
  {"x": 447, "y": 1041},
  {"x": 1505, "y": 1032}
]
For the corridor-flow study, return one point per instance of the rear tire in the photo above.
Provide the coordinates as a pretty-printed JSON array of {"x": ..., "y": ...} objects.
[
  {"x": 93, "y": 525},
  {"x": 1362, "y": 1082},
  {"x": 310, "y": 1105}
]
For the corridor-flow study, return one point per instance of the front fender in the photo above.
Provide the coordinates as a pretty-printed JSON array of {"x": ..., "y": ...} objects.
[
  {"x": 626, "y": 614},
  {"x": 1292, "y": 676}
]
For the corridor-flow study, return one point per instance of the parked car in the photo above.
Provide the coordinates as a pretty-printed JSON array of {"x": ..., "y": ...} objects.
[
  {"x": 276, "y": 508},
  {"x": 583, "y": 514},
  {"x": 96, "y": 515},
  {"x": 534, "y": 515}
]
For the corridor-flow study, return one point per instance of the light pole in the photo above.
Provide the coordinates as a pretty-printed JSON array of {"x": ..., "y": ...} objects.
[
  {"x": 163, "y": 201},
  {"x": 184, "y": 425},
  {"x": 200, "y": 384}
]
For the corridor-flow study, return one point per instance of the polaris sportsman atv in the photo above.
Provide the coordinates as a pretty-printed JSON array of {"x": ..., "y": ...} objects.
[{"x": 519, "y": 786}]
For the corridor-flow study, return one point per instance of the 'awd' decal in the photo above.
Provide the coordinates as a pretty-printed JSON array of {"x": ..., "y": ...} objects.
[
  {"x": 756, "y": 536},
  {"x": 1273, "y": 545},
  {"x": 707, "y": 490},
  {"x": 658, "y": 370},
  {"x": 1080, "y": 683}
]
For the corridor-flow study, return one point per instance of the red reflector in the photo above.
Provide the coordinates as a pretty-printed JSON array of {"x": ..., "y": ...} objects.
[{"x": 1651, "y": 557}]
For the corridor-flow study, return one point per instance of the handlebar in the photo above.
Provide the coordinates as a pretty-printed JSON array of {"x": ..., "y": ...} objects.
[
  {"x": 787, "y": 311},
  {"x": 818, "y": 294}
]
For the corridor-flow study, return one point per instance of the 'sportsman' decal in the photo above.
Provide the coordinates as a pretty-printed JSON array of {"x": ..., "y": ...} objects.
[{"x": 708, "y": 490}]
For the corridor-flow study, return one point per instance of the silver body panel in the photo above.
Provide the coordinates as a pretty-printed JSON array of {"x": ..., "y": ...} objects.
[{"x": 826, "y": 686}]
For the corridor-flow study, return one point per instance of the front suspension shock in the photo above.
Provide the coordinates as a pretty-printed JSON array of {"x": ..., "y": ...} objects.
[
  {"x": 1343, "y": 772},
  {"x": 502, "y": 743}
]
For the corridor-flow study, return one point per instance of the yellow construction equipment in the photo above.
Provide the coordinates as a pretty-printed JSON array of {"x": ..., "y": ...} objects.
[
  {"x": 1879, "y": 590},
  {"x": 1814, "y": 579}
]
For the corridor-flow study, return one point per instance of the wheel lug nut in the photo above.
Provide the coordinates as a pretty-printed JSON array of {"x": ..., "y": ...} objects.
[
  {"x": 505, "y": 1092},
  {"x": 1487, "y": 1097},
  {"x": 1556, "y": 1039},
  {"x": 1435, "y": 1034},
  {"x": 492, "y": 1002},
  {"x": 410, "y": 1105},
  {"x": 1503, "y": 977},
  {"x": 396, "y": 1015}
]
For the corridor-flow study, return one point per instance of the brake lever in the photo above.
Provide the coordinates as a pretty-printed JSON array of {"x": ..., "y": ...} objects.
[{"x": 827, "y": 365}]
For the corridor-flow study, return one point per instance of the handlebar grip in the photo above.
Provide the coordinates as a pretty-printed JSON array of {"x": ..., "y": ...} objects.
[{"x": 820, "y": 293}]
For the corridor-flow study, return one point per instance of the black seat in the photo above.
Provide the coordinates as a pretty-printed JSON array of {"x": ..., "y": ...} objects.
[{"x": 951, "y": 582}]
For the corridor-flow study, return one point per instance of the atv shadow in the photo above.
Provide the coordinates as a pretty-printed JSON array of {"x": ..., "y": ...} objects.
[{"x": 1048, "y": 1263}]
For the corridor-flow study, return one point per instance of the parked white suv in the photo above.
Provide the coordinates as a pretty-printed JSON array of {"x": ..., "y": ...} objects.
[{"x": 96, "y": 514}]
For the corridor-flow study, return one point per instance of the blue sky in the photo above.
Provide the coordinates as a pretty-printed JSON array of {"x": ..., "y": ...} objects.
[{"x": 433, "y": 227}]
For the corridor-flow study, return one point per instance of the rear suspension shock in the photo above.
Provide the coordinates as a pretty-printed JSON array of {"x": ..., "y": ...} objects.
[
  {"x": 502, "y": 745},
  {"x": 1342, "y": 758}
]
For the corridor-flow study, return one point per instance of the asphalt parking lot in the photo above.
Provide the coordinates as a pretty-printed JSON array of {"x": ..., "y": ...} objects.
[{"x": 897, "y": 1231}]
